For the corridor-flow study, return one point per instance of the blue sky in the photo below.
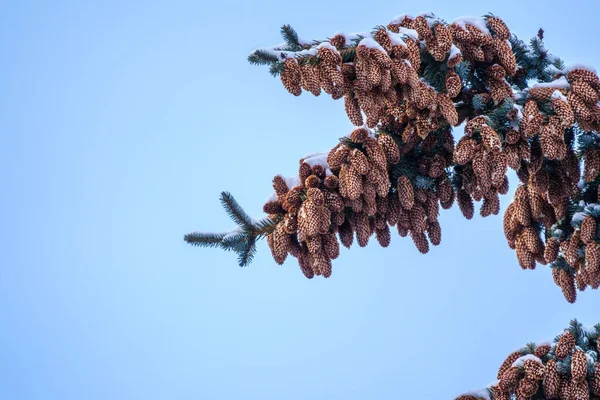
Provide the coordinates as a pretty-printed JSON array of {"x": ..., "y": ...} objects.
[{"x": 120, "y": 124}]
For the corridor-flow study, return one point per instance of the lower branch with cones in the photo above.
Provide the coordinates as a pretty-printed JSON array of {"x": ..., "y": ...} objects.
[
  {"x": 566, "y": 368},
  {"x": 406, "y": 87}
]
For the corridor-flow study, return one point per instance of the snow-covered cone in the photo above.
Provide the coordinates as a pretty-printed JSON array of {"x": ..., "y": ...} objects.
[{"x": 508, "y": 362}]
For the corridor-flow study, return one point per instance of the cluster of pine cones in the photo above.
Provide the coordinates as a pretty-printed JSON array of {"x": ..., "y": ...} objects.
[
  {"x": 353, "y": 196},
  {"x": 400, "y": 173},
  {"x": 567, "y": 369},
  {"x": 550, "y": 173}
]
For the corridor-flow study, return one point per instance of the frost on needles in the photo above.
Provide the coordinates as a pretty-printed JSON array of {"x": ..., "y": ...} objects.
[{"x": 406, "y": 87}]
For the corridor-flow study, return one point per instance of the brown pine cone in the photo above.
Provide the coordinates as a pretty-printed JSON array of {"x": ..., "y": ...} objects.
[
  {"x": 564, "y": 111},
  {"x": 420, "y": 241},
  {"x": 565, "y": 345},
  {"x": 542, "y": 350},
  {"x": 383, "y": 236},
  {"x": 591, "y": 164},
  {"x": 346, "y": 234},
  {"x": 578, "y": 366},
  {"x": 466, "y": 148},
  {"x": 505, "y": 55},
  {"x": 363, "y": 230},
  {"x": 390, "y": 148},
  {"x": 453, "y": 84},
  {"x": 446, "y": 106},
  {"x": 551, "y": 381},
  {"x": 580, "y": 391},
  {"x": 337, "y": 156},
  {"x": 588, "y": 229},
  {"x": 534, "y": 369},
  {"x": 291, "y": 76},
  {"x": 551, "y": 250},
  {"x": 353, "y": 109},
  {"x": 434, "y": 232},
  {"x": 509, "y": 379},
  {"x": 524, "y": 256},
  {"x": 498, "y": 27},
  {"x": 405, "y": 192},
  {"x": 585, "y": 91},
  {"x": 331, "y": 182},
  {"x": 567, "y": 284},
  {"x": 310, "y": 79},
  {"x": 595, "y": 379},
  {"x": 331, "y": 246},
  {"x": 527, "y": 387},
  {"x": 465, "y": 203},
  {"x": 508, "y": 362}
]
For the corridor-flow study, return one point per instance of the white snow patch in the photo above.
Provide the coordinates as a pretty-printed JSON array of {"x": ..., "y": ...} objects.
[
  {"x": 411, "y": 33},
  {"x": 272, "y": 197},
  {"x": 396, "y": 39},
  {"x": 553, "y": 70},
  {"x": 558, "y": 95},
  {"x": 560, "y": 83},
  {"x": 292, "y": 182},
  {"x": 521, "y": 360},
  {"x": 397, "y": 20},
  {"x": 317, "y": 159},
  {"x": 454, "y": 51},
  {"x": 578, "y": 218},
  {"x": 327, "y": 45},
  {"x": 580, "y": 66},
  {"x": 590, "y": 360},
  {"x": 372, "y": 44},
  {"x": 477, "y": 22}
]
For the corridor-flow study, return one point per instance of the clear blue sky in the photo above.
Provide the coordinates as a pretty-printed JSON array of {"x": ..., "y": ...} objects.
[{"x": 121, "y": 122}]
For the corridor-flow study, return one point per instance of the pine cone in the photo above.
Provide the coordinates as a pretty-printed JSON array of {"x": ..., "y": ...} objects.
[
  {"x": 580, "y": 391},
  {"x": 291, "y": 76},
  {"x": 542, "y": 350},
  {"x": 383, "y": 236},
  {"x": 508, "y": 362},
  {"x": 390, "y": 148},
  {"x": 453, "y": 84},
  {"x": 534, "y": 370},
  {"x": 353, "y": 109},
  {"x": 420, "y": 241},
  {"x": 465, "y": 203},
  {"x": 551, "y": 250},
  {"x": 498, "y": 27},
  {"x": 591, "y": 165},
  {"x": 434, "y": 232},
  {"x": 466, "y": 148},
  {"x": 565, "y": 345},
  {"x": 578, "y": 366},
  {"x": 588, "y": 229},
  {"x": 595, "y": 379},
  {"x": 509, "y": 379},
  {"x": 551, "y": 381},
  {"x": 346, "y": 234},
  {"x": 405, "y": 192},
  {"x": 527, "y": 387},
  {"x": 585, "y": 91}
]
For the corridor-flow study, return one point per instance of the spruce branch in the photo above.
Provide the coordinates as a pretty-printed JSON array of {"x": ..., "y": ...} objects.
[
  {"x": 235, "y": 211},
  {"x": 202, "y": 239}
]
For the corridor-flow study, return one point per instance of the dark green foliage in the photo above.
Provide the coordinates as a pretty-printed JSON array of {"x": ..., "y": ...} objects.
[
  {"x": 291, "y": 37},
  {"x": 242, "y": 240}
]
